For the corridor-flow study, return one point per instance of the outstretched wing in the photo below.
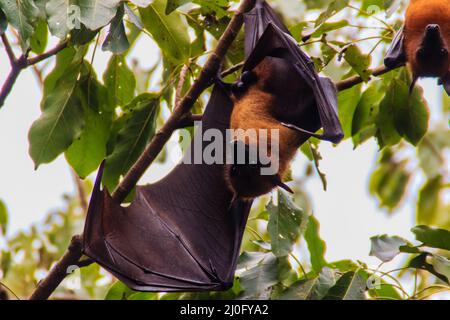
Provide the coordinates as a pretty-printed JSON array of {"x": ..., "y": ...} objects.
[
  {"x": 275, "y": 40},
  {"x": 395, "y": 56},
  {"x": 180, "y": 233}
]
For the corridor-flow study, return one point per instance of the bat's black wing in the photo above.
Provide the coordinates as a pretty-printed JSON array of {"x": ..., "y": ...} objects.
[
  {"x": 184, "y": 232},
  {"x": 180, "y": 233},
  {"x": 396, "y": 56},
  {"x": 267, "y": 36}
]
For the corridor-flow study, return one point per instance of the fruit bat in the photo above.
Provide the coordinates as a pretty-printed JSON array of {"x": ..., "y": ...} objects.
[
  {"x": 424, "y": 41},
  {"x": 184, "y": 232}
]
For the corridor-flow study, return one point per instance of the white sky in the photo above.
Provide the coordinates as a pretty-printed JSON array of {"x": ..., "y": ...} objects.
[{"x": 347, "y": 214}]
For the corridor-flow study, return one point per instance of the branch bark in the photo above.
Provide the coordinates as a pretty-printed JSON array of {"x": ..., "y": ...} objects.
[
  {"x": 21, "y": 63},
  {"x": 353, "y": 81},
  {"x": 57, "y": 274}
]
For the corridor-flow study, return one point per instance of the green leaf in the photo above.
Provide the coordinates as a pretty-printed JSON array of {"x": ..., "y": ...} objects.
[
  {"x": 257, "y": 280},
  {"x": 116, "y": 41},
  {"x": 396, "y": 95},
  {"x": 86, "y": 153},
  {"x": 61, "y": 121},
  {"x": 348, "y": 101},
  {"x": 61, "y": 17},
  {"x": 3, "y": 218},
  {"x": 97, "y": 13},
  {"x": 411, "y": 117},
  {"x": 359, "y": 62},
  {"x": 429, "y": 201},
  {"x": 432, "y": 237},
  {"x": 385, "y": 247},
  {"x": 3, "y": 22},
  {"x": 351, "y": 286},
  {"x": 441, "y": 265},
  {"x": 286, "y": 224},
  {"x": 119, "y": 291},
  {"x": 22, "y": 15},
  {"x": 119, "y": 80},
  {"x": 132, "y": 138},
  {"x": 311, "y": 289},
  {"x": 38, "y": 41},
  {"x": 316, "y": 246},
  {"x": 172, "y": 5},
  {"x": 367, "y": 108},
  {"x": 168, "y": 31},
  {"x": 335, "y": 7},
  {"x": 329, "y": 26}
]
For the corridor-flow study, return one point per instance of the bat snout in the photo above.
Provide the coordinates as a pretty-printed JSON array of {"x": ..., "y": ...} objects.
[{"x": 433, "y": 28}]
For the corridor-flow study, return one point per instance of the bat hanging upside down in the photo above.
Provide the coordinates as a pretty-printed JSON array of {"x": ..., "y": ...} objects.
[
  {"x": 424, "y": 41},
  {"x": 265, "y": 99}
]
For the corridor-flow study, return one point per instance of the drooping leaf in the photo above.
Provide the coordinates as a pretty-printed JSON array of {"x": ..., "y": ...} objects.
[
  {"x": 168, "y": 31},
  {"x": 132, "y": 138},
  {"x": 116, "y": 41},
  {"x": 429, "y": 201},
  {"x": 286, "y": 224},
  {"x": 22, "y": 15},
  {"x": 61, "y": 122},
  {"x": 347, "y": 101},
  {"x": 316, "y": 246},
  {"x": 119, "y": 80},
  {"x": 257, "y": 280},
  {"x": 358, "y": 61},
  {"x": 351, "y": 286},
  {"x": 3, "y": 22},
  {"x": 385, "y": 247},
  {"x": 427, "y": 261},
  {"x": 311, "y": 289},
  {"x": 62, "y": 17},
  {"x": 97, "y": 13},
  {"x": 3, "y": 218},
  {"x": 432, "y": 237},
  {"x": 38, "y": 41}
]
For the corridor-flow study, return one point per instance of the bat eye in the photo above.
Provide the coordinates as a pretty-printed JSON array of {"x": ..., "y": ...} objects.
[{"x": 444, "y": 52}]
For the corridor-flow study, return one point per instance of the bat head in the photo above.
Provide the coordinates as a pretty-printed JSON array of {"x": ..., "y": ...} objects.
[
  {"x": 432, "y": 55},
  {"x": 245, "y": 177}
]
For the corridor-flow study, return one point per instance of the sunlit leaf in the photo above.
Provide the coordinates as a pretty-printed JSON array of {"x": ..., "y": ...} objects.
[
  {"x": 351, "y": 286},
  {"x": 385, "y": 247}
]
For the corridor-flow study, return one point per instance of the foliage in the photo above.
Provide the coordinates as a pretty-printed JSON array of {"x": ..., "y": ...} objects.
[{"x": 89, "y": 117}]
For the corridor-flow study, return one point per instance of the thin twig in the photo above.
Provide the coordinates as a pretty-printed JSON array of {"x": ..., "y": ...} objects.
[
  {"x": 181, "y": 82},
  {"x": 8, "y": 49}
]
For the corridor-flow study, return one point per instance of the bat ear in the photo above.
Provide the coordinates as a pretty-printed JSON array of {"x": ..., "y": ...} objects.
[{"x": 282, "y": 185}]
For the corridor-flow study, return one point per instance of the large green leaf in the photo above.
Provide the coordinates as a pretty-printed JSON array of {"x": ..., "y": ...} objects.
[
  {"x": 351, "y": 286},
  {"x": 286, "y": 223},
  {"x": 359, "y": 62},
  {"x": 347, "y": 101},
  {"x": 257, "y": 280},
  {"x": 170, "y": 32},
  {"x": 432, "y": 237},
  {"x": 132, "y": 138},
  {"x": 119, "y": 81},
  {"x": 38, "y": 41},
  {"x": 411, "y": 117},
  {"x": 86, "y": 153},
  {"x": 60, "y": 18},
  {"x": 22, "y": 15},
  {"x": 61, "y": 122},
  {"x": 119, "y": 291},
  {"x": 97, "y": 13},
  {"x": 386, "y": 248},
  {"x": 333, "y": 8},
  {"x": 316, "y": 246}
]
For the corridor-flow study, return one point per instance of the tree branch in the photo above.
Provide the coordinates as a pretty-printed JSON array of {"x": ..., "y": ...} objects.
[
  {"x": 17, "y": 65},
  {"x": 57, "y": 274},
  {"x": 353, "y": 81},
  {"x": 210, "y": 69}
]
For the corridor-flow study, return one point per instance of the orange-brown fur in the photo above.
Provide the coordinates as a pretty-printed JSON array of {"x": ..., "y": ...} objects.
[
  {"x": 419, "y": 14},
  {"x": 277, "y": 90}
]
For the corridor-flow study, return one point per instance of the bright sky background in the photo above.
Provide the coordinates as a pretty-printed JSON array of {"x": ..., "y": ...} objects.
[{"x": 347, "y": 214}]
